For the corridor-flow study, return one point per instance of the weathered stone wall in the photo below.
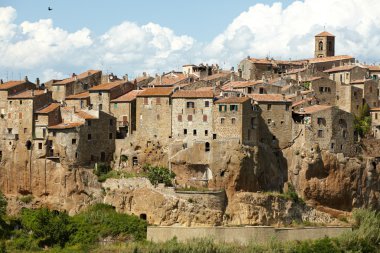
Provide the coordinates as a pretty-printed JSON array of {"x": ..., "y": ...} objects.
[
  {"x": 349, "y": 98},
  {"x": 325, "y": 91}
]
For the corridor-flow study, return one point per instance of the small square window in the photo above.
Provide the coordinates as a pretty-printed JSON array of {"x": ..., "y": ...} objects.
[
  {"x": 204, "y": 118},
  {"x": 180, "y": 118},
  {"x": 89, "y": 137},
  {"x": 207, "y": 103},
  {"x": 190, "y": 117},
  {"x": 40, "y": 145},
  {"x": 206, "y": 132},
  {"x": 269, "y": 107},
  {"x": 194, "y": 132},
  {"x": 320, "y": 133},
  {"x": 233, "y": 121},
  {"x": 88, "y": 122},
  {"x": 185, "y": 131},
  {"x": 222, "y": 121},
  {"x": 74, "y": 141}
]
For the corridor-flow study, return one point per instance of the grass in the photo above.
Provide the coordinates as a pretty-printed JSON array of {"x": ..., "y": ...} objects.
[{"x": 26, "y": 199}]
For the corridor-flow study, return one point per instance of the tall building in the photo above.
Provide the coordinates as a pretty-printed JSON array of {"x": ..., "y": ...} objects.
[{"x": 324, "y": 45}]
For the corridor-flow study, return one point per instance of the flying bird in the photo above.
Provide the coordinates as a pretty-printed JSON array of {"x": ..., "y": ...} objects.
[{"x": 50, "y": 9}]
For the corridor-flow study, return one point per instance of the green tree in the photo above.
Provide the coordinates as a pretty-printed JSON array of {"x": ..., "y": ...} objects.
[
  {"x": 159, "y": 175},
  {"x": 363, "y": 121}
]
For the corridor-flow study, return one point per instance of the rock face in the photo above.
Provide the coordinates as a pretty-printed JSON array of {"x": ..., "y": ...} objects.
[{"x": 333, "y": 180}]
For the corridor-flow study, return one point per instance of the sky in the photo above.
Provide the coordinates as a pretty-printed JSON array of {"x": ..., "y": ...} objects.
[{"x": 130, "y": 37}]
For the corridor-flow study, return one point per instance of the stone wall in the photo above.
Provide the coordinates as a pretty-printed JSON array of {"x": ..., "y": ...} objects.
[{"x": 243, "y": 235}]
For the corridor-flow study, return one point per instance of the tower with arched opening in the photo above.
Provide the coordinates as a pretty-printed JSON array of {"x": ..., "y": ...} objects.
[{"x": 324, "y": 45}]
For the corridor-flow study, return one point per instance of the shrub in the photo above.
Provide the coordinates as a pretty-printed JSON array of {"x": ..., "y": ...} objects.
[
  {"x": 159, "y": 175},
  {"x": 101, "y": 170},
  {"x": 26, "y": 199}
]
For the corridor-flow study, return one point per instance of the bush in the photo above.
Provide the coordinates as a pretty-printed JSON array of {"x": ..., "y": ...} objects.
[
  {"x": 26, "y": 199},
  {"x": 159, "y": 175},
  {"x": 362, "y": 121},
  {"x": 101, "y": 169}
]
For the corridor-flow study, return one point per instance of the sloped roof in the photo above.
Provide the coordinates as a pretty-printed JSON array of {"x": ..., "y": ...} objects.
[
  {"x": 314, "y": 108},
  {"x": 128, "y": 97},
  {"x": 10, "y": 84},
  {"x": 66, "y": 125},
  {"x": 330, "y": 58},
  {"x": 82, "y": 95},
  {"x": 341, "y": 68},
  {"x": 28, "y": 94},
  {"x": 232, "y": 100},
  {"x": 85, "y": 115},
  {"x": 80, "y": 76},
  {"x": 325, "y": 34},
  {"x": 49, "y": 108},
  {"x": 268, "y": 97},
  {"x": 156, "y": 92},
  {"x": 193, "y": 94},
  {"x": 107, "y": 86}
]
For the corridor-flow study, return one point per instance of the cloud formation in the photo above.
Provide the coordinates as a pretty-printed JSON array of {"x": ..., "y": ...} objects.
[{"x": 42, "y": 49}]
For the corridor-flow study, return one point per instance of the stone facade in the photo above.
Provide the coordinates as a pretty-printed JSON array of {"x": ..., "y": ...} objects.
[
  {"x": 324, "y": 45},
  {"x": 192, "y": 116},
  {"x": 324, "y": 90},
  {"x": 375, "y": 122},
  {"x": 275, "y": 122},
  {"x": 347, "y": 74},
  {"x": 329, "y": 127},
  {"x": 236, "y": 119},
  {"x": 349, "y": 98}
]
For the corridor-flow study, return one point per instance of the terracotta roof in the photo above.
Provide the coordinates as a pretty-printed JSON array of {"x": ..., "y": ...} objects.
[
  {"x": 169, "y": 79},
  {"x": 66, "y": 125},
  {"x": 377, "y": 109},
  {"x": 80, "y": 76},
  {"x": 48, "y": 109},
  {"x": 313, "y": 79},
  {"x": 193, "y": 94},
  {"x": 314, "y": 108},
  {"x": 232, "y": 100},
  {"x": 242, "y": 84},
  {"x": 156, "y": 92},
  {"x": 10, "y": 84},
  {"x": 275, "y": 62},
  {"x": 330, "y": 58},
  {"x": 108, "y": 86},
  {"x": 27, "y": 94},
  {"x": 325, "y": 34},
  {"x": 85, "y": 115},
  {"x": 360, "y": 81},
  {"x": 210, "y": 88},
  {"x": 373, "y": 68},
  {"x": 294, "y": 71},
  {"x": 128, "y": 97},
  {"x": 341, "y": 68},
  {"x": 222, "y": 74},
  {"x": 302, "y": 102},
  {"x": 268, "y": 97},
  {"x": 82, "y": 95}
]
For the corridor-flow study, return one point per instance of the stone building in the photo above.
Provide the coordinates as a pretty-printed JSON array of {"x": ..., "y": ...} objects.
[
  {"x": 321, "y": 64},
  {"x": 153, "y": 114},
  {"x": 79, "y": 101},
  {"x": 200, "y": 71},
  {"x": 328, "y": 126},
  {"x": 370, "y": 91},
  {"x": 83, "y": 138},
  {"x": 252, "y": 87},
  {"x": 20, "y": 113},
  {"x": 324, "y": 45},
  {"x": 347, "y": 74},
  {"x": 171, "y": 79},
  {"x": 192, "y": 116},
  {"x": 11, "y": 88},
  {"x": 324, "y": 89},
  {"x": 123, "y": 109},
  {"x": 75, "y": 84},
  {"x": 256, "y": 69},
  {"x": 101, "y": 95},
  {"x": 349, "y": 98},
  {"x": 375, "y": 122},
  {"x": 235, "y": 119},
  {"x": 275, "y": 122}
]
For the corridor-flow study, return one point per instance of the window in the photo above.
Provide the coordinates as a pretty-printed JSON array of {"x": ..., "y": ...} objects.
[
  {"x": 100, "y": 107},
  {"x": 189, "y": 104},
  {"x": 185, "y": 131},
  {"x": 269, "y": 107},
  {"x": 249, "y": 90},
  {"x": 20, "y": 102},
  {"x": 204, "y": 118},
  {"x": 158, "y": 101},
  {"x": 374, "y": 104},
  {"x": 9, "y": 130},
  {"x": 214, "y": 136},
  {"x": 222, "y": 108},
  {"x": 320, "y": 121},
  {"x": 40, "y": 145},
  {"x": 261, "y": 90},
  {"x": 332, "y": 146},
  {"x": 233, "y": 121},
  {"x": 89, "y": 137},
  {"x": 222, "y": 121},
  {"x": 114, "y": 105},
  {"x": 375, "y": 115},
  {"x": 206, "y": 132},
  {"x": 88, "y": 122},
  {"x": 146, "y": 101},
  {"x": 233, "y": 108},
  {"x": 180, "y": 118},
  {"x": 194, "y": 132},
  {"x": 341, "y": 78},
  {"x": 189, "y": 117},
  {"x": 25, "y": 130},
  {"x": 269, "y": 121},
  {"x": 320, "y": 46},
  {"x": 44, "y": 132},
  {"x": 207, "y": 103},
  {"x": 207, "y": 147},
  {"x": 344, "y": 134},
  {"x": 320, "y": 133},
  {"x": 74, "y": 141},
  {"x": 110, "y": 136},
  {"x": 111, "y": 122}
]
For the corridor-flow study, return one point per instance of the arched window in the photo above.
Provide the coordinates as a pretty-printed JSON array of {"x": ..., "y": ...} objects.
[
  {"x": 320, "y": 45},
  {"x": 207, "y": 147}
]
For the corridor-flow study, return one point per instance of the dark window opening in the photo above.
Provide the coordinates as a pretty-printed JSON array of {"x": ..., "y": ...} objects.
[
  {"x": 207, "y": 146},
  {"x": 189, "y": 104},
  {"x": 207, "y": 103},
  {"x": 206, "y": 132},
  {"x": 28, "y": 145},
  {"x": 214, "y": 136},
  {"x": 135, "y": 161},
  {"x": 194, "y": 132},
  {"x": 74, "y": 141},
  {"x": 110, "y": 136},
  {"x": 111, "y": 122},
  {"x": 143, "y": 216},
  {"x": 184, "y": 131},
  {"x": 89, "y": 137},
  {"x": 40, "y": 145},
  {"x": 102, "y": 157}
]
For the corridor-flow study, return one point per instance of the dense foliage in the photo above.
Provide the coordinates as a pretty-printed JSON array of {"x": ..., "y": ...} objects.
[
  {"x": 363, "y": 121},
  {"x": 159, "y": 175}
]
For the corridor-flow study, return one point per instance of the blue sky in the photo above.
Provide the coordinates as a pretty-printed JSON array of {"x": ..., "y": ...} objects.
[
  {"x": 200, "y": 19},
  {"x": 159, "y": 36}
]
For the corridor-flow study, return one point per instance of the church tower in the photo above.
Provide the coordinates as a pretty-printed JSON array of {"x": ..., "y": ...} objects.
[{"x": 324, "y": 45}]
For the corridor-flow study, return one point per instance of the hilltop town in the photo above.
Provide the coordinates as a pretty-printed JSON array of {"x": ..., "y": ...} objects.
[{"x": 266, "y": 125}]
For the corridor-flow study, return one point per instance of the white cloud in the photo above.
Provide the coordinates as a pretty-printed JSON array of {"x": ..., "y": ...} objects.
[
  {"x": 42, "y": 49},
  {"x": 289, "y": 32}
]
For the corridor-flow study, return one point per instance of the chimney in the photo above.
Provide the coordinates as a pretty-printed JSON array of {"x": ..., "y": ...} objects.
[
  {"x": 38, "y": 81},
  {"x": 32, "y": 93},
  {"x": 125, "y": 77},
  {"x": 26, "y": 79},
  {"x": 1, "y": 81}
]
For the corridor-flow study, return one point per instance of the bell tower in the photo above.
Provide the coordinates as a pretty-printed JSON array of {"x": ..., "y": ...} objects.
[{"x": 324, "y": 45}]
